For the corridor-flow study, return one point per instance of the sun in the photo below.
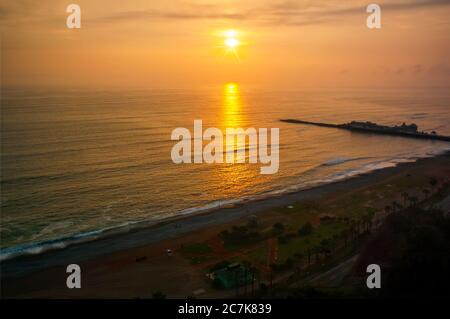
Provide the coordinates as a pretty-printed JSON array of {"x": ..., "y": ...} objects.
[{"x": 231, "y": 43}]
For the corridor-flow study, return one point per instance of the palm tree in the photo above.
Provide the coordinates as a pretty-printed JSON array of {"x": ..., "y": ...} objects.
[
  {"x": 405, "y": 196},
  {"x": 353, "y": 228},
  {"x": 367, "y": 221},
  {"x": 396, "y": 206},
  {"x": 388, "y": 209},
  {"x": 300, "y": 257},
  {"x": 253, "y": 271},
  {"x": 345, "y": 234},
  {"x": 316, "y": 252},
  {"x": 334, "y": 242},
  {"x": 356, "y": 227},
  {"x": 325, "y": 246},
  {"x": 433, "y": 182},
  {"x": 360, "y": 224},
  {"x": 414, "y": 200}
]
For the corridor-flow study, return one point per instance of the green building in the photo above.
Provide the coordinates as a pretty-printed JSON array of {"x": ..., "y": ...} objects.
[{"x": 233, "y": 275}]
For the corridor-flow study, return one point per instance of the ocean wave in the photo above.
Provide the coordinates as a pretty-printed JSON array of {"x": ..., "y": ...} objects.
[
  {"x": 342, "y": 160},
  {"x": 40, "y": 247},
  {"x": 60, "y": 243},
  {"x": 418, "y": 116}
]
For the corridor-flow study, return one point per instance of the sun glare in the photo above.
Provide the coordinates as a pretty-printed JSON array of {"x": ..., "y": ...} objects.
[
  {"x": 230, "y": 33},
  {"x": 231, "y": 43}
]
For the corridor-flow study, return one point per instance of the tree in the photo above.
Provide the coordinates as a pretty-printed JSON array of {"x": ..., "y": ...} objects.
[
  {"x": 300, "y": 257},
  {"x": 345, "y": 234},
  {"x": 367, "y": 219},
  {"x": 414, "y": 200},
  {"x": 316, "y": 251},
  {"x": 355, "y": 225},
  {"x": 405, "y": 196},
  {"x": 253, "y": 271},
  {"x": 353, "y": 228},
  {"x": 433, "y": 182},
  {"x": 388, "y": 209},
  {"x": 278, "y": 228},
  {"x": 325, "y": 246},
  {"x": 305, "y": 230},
  {"x": 396, "y": 206}
]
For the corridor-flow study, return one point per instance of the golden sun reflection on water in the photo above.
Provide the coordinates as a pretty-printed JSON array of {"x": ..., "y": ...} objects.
[
  {"x": 237, "y": 175},
  {"x": 232, "y": 116}
]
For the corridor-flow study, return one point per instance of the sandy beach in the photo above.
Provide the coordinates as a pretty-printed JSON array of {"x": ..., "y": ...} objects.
[{"x": 135, "y": 264}]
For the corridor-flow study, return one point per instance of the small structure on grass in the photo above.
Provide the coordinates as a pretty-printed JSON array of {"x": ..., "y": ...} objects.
[{"x": 231, "y": 276}]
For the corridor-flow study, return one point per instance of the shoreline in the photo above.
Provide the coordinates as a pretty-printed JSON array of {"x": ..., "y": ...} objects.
[{"x": 177, "y": 226}]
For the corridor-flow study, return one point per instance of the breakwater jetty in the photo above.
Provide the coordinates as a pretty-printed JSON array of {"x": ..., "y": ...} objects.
[{"x": 404, "y": 130}]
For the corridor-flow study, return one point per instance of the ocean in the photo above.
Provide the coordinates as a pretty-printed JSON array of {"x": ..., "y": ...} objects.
[{"x": 76, "y": 164}]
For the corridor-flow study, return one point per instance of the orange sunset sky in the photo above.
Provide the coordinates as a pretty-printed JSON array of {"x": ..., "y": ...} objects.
[{"x": 178, "y": 44}]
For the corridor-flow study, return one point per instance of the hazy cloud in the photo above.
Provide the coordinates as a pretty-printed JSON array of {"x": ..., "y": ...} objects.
[
  {"x": 295, "y": 13},
  {"x": 281, "y": 13}
]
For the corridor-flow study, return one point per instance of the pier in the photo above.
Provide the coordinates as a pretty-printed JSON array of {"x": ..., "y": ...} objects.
[{"x": 369, "y": 127}]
